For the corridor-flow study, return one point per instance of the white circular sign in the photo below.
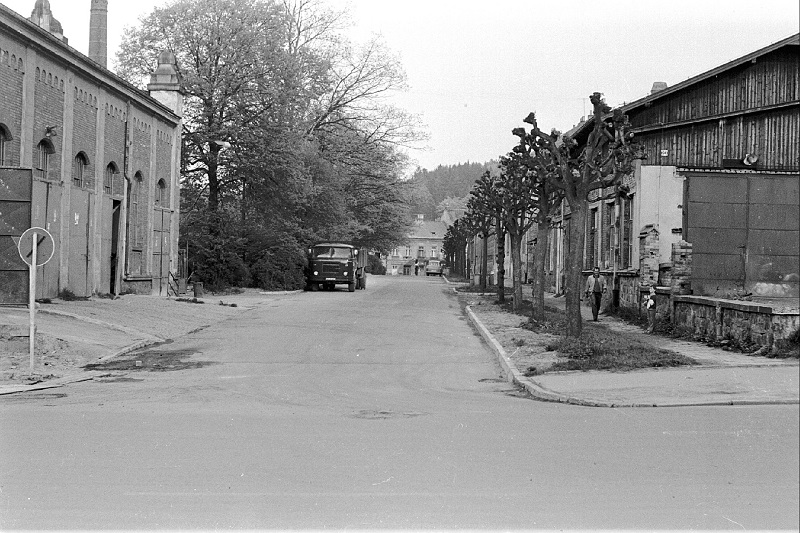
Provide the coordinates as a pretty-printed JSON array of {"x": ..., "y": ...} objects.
[{"x": 45, "y": 246}]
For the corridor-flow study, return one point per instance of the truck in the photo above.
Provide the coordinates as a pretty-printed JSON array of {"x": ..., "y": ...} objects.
[{"x": 336, "y": 263}]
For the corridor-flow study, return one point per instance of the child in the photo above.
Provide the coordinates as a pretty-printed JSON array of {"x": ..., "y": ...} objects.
[{"x": 651, "y": 310}]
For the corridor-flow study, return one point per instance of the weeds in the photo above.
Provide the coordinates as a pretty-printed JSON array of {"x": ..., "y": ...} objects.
[
  {"x": 190, "y": 300},
  {"x": 69, "y": 296},
  {"x": 599, "y": 349}
]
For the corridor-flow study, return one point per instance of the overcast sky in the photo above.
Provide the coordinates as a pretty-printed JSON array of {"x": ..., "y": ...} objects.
[{"x": 476, "y": 68}]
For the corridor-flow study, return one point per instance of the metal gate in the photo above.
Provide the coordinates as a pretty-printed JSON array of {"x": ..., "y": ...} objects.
[{"x": 15, "y": 218}]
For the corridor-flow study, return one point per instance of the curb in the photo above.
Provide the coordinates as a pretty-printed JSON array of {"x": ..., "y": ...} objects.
[{"x": 538, "y": 392}]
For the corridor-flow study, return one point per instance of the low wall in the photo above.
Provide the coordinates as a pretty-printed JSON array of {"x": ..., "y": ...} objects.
[{"x": 737, "y": 321}]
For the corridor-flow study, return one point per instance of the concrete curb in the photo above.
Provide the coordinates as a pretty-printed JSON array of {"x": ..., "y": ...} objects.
[{"x": 538, "y": 392}]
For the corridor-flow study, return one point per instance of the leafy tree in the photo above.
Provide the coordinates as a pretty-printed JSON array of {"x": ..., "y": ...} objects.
[{"x": 287, "y": 136}]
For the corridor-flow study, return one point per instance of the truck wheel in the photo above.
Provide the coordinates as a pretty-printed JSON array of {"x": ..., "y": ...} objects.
[
  {"x": 351, "y": 287},
  {"x": 314, "y": 286}
]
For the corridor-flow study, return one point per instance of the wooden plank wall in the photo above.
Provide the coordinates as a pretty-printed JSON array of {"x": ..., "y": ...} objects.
[{"x": 708, "y": 136}]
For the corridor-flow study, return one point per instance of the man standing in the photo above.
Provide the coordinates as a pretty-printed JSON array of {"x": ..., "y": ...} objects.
[{"x": 595, "y": 287}]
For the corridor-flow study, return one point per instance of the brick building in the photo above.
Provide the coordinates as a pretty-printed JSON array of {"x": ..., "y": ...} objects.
[{"x": 88, "y": 157}]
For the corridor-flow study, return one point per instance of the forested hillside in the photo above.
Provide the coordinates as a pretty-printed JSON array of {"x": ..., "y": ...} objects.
[{"x": 431, "y": 187}]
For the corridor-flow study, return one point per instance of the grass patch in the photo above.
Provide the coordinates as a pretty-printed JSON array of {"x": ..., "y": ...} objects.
[
  {"x": 600, "y": 349},
  {"x": 597, "y": 348}
]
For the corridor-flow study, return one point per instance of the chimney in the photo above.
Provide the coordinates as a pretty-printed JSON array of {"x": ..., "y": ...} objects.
[
  {"x": 43, "y": 17},
  {"x": 658, "y": 86},
  {"x": 165, "y": 83},
  {"x": 98, "y": 32}
]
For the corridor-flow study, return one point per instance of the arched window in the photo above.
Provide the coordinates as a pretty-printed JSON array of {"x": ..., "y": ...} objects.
[
  {"x": 161, "y": 199},
  {"x": 79, "y": 170},
  {"x": 108, "y": 178},
  {"x": 5, "y": 139},
  {"x": 43, "y": 152},
  {"x": 134, "y": 197}
]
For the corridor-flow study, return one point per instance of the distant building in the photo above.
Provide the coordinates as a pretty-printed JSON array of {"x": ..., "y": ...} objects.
[
  {"x": 88, "y": 157},
  {"x": 424, "y": 243}
]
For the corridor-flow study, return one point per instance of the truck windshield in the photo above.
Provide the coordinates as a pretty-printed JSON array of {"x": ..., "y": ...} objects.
[{"x": 331, "y": 251}]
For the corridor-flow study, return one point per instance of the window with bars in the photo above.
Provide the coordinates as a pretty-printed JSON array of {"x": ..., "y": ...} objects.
[
  {"x": 108, "y": 179},
  {"x": 161, "y": 194},
  {"x": 5, "y": 138},
  {"x": 134, "y": 233},
  {"x": 43, "y": 151},
  {"x": 79, "y": 167}
]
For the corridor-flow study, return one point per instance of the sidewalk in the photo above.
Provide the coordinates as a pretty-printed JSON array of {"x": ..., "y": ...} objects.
[
  {"x": 71, "y": 334},
  {"x": 722, "y": 378}
]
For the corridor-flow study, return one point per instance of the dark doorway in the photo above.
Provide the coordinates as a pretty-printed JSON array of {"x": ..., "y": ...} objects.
[{"x": 115, "y": 213}]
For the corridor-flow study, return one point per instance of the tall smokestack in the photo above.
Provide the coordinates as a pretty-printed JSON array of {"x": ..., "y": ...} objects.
[{"x": 98, "y": 32}]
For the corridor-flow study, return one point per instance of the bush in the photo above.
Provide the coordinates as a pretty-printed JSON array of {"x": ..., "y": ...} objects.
[
  {"x": 280, "y": 267},
  {"x": 375, "y": 265}
]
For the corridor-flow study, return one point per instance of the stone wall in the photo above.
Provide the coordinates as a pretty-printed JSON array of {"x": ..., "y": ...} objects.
[{"x": 740, "y": 322}]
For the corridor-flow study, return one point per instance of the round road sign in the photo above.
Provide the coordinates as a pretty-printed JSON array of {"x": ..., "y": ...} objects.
[{"x": 44, "y": 246}]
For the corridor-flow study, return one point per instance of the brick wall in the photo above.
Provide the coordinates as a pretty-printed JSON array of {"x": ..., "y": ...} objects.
[
  {"x": 48, "y": 111},
  {"x": 11, "y": 78},
  {"x": 84, "y": 130}
]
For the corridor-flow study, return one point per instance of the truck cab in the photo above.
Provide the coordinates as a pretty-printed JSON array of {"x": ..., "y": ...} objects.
[{"x": 335, "y": 263}]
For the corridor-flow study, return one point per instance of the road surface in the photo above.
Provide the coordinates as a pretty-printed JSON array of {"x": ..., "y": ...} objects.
[{"x": 375, "y": 409}]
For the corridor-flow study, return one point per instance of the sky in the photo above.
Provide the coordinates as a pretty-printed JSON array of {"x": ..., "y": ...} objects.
[{"x": 476, "y": 68}]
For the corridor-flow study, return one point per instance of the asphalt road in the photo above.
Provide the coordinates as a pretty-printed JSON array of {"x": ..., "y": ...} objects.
[{"x": 375, "y": 409}]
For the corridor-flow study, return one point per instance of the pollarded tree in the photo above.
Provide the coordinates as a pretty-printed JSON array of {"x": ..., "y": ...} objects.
[
  {"x": 548, "y": 198},
  {"x": 517, "y": 195},
  {"x": 485, "y": 217},
  {"x": 606, "y": 156},
  {"x": 455, "y": 244}
]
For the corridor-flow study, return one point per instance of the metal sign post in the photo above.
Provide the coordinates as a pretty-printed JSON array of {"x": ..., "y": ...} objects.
[{"x": 31, "y": 243}]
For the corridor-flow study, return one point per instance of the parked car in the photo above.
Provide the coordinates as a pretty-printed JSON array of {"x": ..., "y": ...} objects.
[{"x": 433, "y": 268}]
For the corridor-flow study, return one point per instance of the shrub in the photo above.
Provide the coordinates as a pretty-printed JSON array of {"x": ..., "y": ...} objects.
[{"x": 375, "y": 265}]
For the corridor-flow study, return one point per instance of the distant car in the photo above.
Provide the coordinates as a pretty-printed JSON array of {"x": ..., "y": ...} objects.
[{"x": 433, "y": 268}]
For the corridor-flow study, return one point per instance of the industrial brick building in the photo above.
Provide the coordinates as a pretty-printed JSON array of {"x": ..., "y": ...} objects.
[{"x": 89, "y": 158}]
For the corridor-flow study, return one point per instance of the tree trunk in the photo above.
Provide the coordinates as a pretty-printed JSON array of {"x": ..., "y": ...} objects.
[
  {"x": 501, "y": 261},
  {"x": 484, "y": 262},
  {"x": 516, "y": 274},
  {"x": 539, "y": 260},
  {"x": 574, "y": 266}
]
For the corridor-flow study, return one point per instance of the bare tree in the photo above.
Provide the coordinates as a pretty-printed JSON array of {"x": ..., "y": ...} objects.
[
  {"x": 517, "y": 194},
  {"x": 604, "y": 158},
  {"x": 542, "y": 163}
]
